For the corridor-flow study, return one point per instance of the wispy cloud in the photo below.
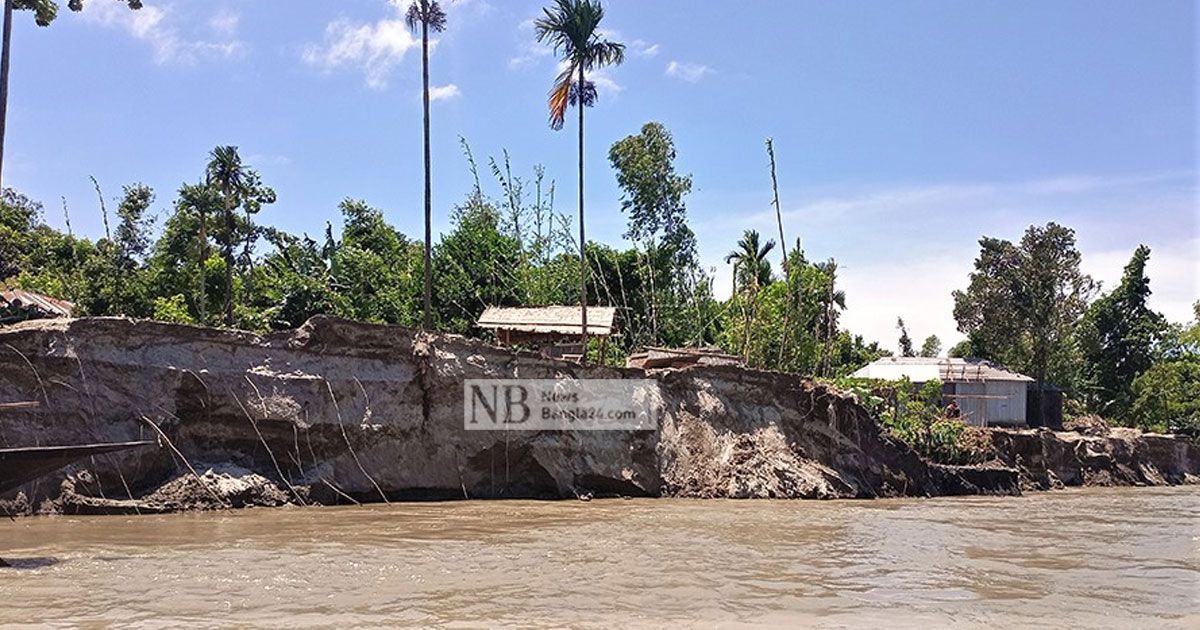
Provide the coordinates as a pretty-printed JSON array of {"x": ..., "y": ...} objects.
[
  {"x": 633, "y": 47},
  {"x": 225, "y": 22},
  {"x": 443, "y": 92},
  {"x": 603, "y": 78},
  {"x": 156, "y": 25},
  {"x": 642, "y": 48},
  {"x": 374, "y": 49},
  {"x": 529, "y": 51},
  {"x": 690, "y": 72}
]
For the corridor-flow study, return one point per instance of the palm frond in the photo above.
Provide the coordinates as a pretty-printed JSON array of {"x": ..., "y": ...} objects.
[
  {"x": 427, "y": 12},
  {"x": 571, "y": 28},
  {"x": 604, "y": 53},
  {"x": 587, "y": 95},
  {"x": 560, "y": 96}
]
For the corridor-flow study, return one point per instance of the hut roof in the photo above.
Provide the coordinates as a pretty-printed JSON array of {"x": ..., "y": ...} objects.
[
  {"x": 951, "y": 370},
  {"x": 50, "y": 307},
  {"x": 563, "y": 320}
]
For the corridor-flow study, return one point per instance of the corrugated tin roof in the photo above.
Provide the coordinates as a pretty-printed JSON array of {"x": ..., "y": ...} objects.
[
  {"x": 562, "y": 320},
  {"x": 923, "y": 370},
  {"x": 48, "y": 305}
]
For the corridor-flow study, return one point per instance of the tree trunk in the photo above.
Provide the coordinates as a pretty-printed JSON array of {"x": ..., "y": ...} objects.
[
  {"x": 8, "y": 17},
  {"x": 778, "y": 213},
  {"x": 582, "y": 241},
  {"x": 229, "y": 229},
  {"x": 787, "y": 303},
  {"x": 427, "y": 320},
  {"x": 202, "y": 306}
]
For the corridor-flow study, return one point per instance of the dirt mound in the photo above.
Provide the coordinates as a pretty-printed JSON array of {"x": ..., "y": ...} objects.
[{"x": 1087, "y": 425}]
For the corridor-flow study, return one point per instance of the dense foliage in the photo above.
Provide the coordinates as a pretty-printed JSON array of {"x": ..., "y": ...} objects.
[
  {"x": 1027, "y": 307},
  {"x": 915, "y": 416}
]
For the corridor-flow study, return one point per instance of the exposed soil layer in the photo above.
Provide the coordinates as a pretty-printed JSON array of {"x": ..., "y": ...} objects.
[{"x": 338, "y": 411}]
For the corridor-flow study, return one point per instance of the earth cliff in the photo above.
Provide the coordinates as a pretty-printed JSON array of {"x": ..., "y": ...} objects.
[{"x": 338, "y": 411}]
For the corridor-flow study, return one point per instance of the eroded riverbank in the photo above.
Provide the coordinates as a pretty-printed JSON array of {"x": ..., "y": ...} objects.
[
  {"x": 338, "y": 411},
  {"x": 1095, "y": 557}
]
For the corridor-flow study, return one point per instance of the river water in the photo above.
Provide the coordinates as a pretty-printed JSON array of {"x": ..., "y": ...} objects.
[{"x": 1078, "y": 558}]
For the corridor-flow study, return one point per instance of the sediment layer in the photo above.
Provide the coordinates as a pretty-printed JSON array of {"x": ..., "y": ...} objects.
[{"x": 338, "y": 411}]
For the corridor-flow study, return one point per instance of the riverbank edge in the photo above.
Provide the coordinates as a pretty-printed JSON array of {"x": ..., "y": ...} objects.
[{"x": 731, "y": 433}]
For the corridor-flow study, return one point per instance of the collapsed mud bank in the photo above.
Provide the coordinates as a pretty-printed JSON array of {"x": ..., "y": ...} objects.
[{"x": 337, "y": 411}]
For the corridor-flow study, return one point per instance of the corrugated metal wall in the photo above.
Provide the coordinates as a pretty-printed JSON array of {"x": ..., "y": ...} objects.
[{"x": 1007, "y": 411}]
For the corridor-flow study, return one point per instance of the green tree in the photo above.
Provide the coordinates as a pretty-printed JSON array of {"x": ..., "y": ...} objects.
[
  {"x": 653, "y": 198},
  {"x": 473, "y": 267},
  {"x": 1118, "y": 339},
  {"x": 1166, "y": 397},
  {"x": 931, "y": 347},
  {"x": 44, "y": 12},
  {"x": 751, "y": 272},
  {"x": 751, "y": 269},
  {"x": 428, "y": 15},
  {"x": 573, "y": 29},
  {"x": 374, "y": 269},
  {"x": 196, "y": 206},
  {"x": 241, "y": 187},
  {"x": 1024, "y": 302},
  {"x": 906, "y": 344}
]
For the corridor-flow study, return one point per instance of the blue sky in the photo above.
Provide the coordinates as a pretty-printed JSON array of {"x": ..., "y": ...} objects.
[{"x": 904, "y": 130}]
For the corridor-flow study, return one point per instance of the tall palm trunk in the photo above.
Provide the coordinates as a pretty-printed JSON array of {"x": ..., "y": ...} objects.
[
  {"x": 428, "y": 316},
  {"x": 229, "y": 228},
  {"x": 778, "y": 212},
  {"x": 8, "y": 17},
  {"x": 202, "y": 305},
  {"x": 582, "y": 242},
  {"x": 787, "y": 302}
]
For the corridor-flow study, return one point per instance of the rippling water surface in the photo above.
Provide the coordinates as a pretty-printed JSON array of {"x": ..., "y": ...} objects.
[{"x": 1079, "y": 558}]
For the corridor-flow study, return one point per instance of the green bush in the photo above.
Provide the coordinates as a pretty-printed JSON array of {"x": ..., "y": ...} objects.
[{"x": 915, "y": 416}]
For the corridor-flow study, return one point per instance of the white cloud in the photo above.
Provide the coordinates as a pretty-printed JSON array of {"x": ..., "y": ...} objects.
[
  {"x": 375, "y": 49},
  {"x": 530, "y": 51},
  {"x": 605, "y": 83},
  {"x": 443, "y": 92},
  {"x": 690, "y": 72},
  {"x": 633, "y": 47},
  {"x": 902, "y": 250},
  {"x": 154, "y": 25},
  {"x": 642, "y": 49},
  {"x": 225, "y": 22}
]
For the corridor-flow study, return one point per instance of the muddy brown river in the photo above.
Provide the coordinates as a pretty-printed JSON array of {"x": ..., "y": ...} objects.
[{"x": 1078, "y": 558}]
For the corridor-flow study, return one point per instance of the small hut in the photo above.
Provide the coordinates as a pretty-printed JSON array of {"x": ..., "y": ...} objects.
[
  {"x": 556, "y": 331},
  {"x": 987, "y": 394},
  {"x": 17, "y": 305}
]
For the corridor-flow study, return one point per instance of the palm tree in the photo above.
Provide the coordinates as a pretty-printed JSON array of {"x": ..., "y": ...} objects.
[
  {"x": 752, "y": 270},
  {"x": 226, "y": 173},
  {"x": 429, "y": 16},
  {"x": 572, "y": 28}
]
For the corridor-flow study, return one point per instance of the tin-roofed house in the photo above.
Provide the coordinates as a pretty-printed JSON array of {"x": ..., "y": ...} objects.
[
  {"x": 556, "y": 331},
  {"x": 17, "y": 305},
  {"x": 987, "y": 395}
]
